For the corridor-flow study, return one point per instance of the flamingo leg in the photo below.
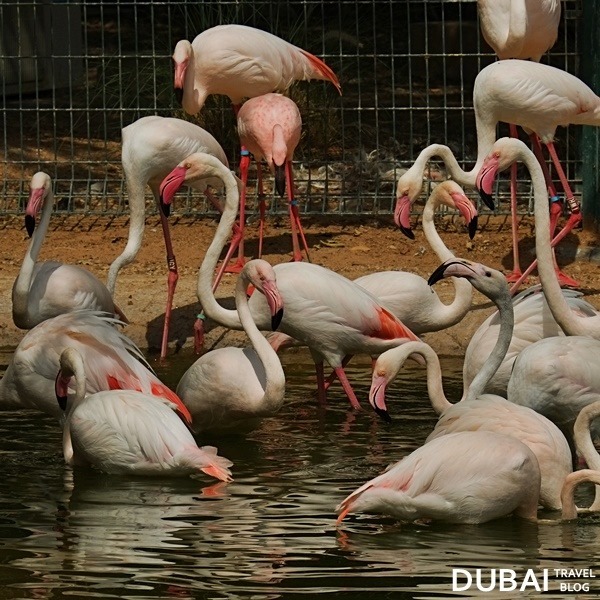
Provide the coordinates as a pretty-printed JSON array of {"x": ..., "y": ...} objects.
[
  {"x": 341, "y": 375},
  {"x": 172, "y": 278},
  {"x": 261, "y": 208},
  {"x": 333, "y": 376},
  {"x": 294, "y": 216}
]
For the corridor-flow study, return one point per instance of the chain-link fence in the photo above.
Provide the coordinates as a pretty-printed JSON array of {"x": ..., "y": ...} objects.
[{"x": 74, "y": 73}]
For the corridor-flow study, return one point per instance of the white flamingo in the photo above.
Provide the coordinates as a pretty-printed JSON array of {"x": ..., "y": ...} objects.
[
  {"x": 333, "y": 316},
  {"x": 476, "y": 410},
  {"x": 46, "y": 289},
  {"x": 233, "y": 389},
  {"x": 152, "y": 147},
  {"x": 114, "y": 362},
  {"x": 126, "y": 431},
  {"x": 240, "y": 62}
]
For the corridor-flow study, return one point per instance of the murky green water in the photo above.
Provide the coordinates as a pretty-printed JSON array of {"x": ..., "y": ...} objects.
[{"x": 269, "y": 534}]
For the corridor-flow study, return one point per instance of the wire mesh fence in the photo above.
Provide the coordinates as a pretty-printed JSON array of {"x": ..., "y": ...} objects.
[{"x": 73, "y": 74}]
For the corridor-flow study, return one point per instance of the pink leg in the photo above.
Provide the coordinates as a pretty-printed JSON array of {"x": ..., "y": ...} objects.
[
  {"x": 333, "y": 376},
  {"x": 295, "y": 216},
  {"x": 341, "y": 375},
  {"x": 261, "y": 208},
  {"x": 171, "y": 283}
]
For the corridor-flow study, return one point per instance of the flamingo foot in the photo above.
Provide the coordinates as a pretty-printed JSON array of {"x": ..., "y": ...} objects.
[
  {"x": 565, "y": 281},
  {"x": 235, "y": 267},
  {"x": 514, "y": 276}
]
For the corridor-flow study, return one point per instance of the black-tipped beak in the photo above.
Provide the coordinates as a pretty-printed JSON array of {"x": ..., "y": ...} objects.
[
  {"x": 280, "y": 179},
  {"x": 472, "y": 227},
  {"x": 165, "y": 208},
  {"x": 384, "y": 414},
  {"x": 407, "y": 232},
  {"x": 179, "y": 95},
  {"x": 62, "y": 402},
  {"x": 276, "y": 319},
  {"x": 29, "y": 224},
  {"x": 438, "y": 273},
  {"x": 487, "y": 199}
]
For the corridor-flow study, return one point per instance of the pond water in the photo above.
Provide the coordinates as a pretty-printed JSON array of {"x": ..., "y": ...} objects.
[{"x": 271, "y": 533}]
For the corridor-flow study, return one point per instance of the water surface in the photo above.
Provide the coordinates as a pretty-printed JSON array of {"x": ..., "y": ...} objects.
[{"x": 269, "y": 534}]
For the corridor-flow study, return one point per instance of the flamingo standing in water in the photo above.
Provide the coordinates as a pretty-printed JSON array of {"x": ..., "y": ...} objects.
[
  {"x": 114, "y": 362},
  {"x": 269, "y": 126},
  {"x": 233, "y": 389},
  {"x": 152, "y": 147},
  {"x": 524, "y": 29},
  {"x": 332, "y": 315},
  {"x": 476, "y": 410},
  {"x": 43, "y": 290},
  {"x": 126, "y": 431}
]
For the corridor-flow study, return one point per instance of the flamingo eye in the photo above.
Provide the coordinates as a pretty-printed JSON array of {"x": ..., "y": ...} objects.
[{"x": 488, "y": 273}]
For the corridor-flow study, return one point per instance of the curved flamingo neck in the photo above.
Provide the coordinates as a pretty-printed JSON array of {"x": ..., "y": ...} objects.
[
  {"x": 227, "y": 318},
  {"x": 275, "y": 377},
  {"x": 567, "y": 494},
  {"x": 20, "y": 293},
  {"x": 583, "y": 437},
  {"x": 494, "y": 360},
  {"x": 463, "y": 290}
]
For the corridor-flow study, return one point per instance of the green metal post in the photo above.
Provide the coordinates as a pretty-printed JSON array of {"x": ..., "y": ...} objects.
[{"x": 590, "y": 139}]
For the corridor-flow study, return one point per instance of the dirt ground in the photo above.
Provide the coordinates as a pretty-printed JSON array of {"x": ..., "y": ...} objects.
[{"x": 351, "y": 247}]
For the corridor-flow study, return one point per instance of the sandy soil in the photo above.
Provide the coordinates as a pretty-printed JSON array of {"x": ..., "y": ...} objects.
[{"x": 351, "y": 247}]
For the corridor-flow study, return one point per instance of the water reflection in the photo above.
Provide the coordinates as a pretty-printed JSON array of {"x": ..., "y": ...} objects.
[{"x": 269, "y": 534}]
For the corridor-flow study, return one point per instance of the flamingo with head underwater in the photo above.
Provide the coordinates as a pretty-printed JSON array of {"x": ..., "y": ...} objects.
[{"x": 332, "y": 315}]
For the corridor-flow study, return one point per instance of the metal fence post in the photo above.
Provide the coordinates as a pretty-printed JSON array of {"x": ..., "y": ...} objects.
[{"x": 590, "y": 139}]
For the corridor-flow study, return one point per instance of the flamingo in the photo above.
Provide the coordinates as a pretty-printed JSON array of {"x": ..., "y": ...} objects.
[
  {"x": 269, "y": 127},
  {"x": 504, "y": 152},
  {"x": 477, "y": 410},
  {"x": 584, "y": 444},
  {"x": 332, "y": 315},
  {"x": 114, "y": 362},
  {"x": 519, "y": 28},
  {"x": 43, "y": 290},
  {"x": 152, "y": 147},
  {"x": 533, "y": 321},
  {"x": 232, "y": 389},
  {"x": 522, "y": 29},
  {"x": 240, "y": 62},
  {"x": 126, "y": 431},
  {"x": 466, "y": 477}
]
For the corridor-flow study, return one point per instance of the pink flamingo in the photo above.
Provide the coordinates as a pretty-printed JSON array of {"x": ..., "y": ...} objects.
[
  {"x": 233, "y": 389},
  {"x": 115, "y": 363},
  {"x": 332, "y": 315},
  {"x": 152, "y": 147},
  {"x": 43, "y": 290},
  {"x": 126, "y": 431},
  {"x": 241, "y": 62},
  {"x": 269, "y": 126},
  {"x": 523, "y": 29}
]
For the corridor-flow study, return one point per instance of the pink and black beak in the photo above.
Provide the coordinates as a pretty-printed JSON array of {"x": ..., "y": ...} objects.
[
  {"x": 36, "y": 197},
  {"x": 179, "y": 80},
  {"x": 485, "y": 181},
  {"x": 468, "y": 212},
  {"x": 402, "y": 216},
  {"x": 377, "y": 397},
  {"x": 275, "y": 302},
  {"x": 61, "y": 389},
  {"x": 280, "y": 179},
  {"x": 455, "y": 267},
  {"x": 169, "y": 187}
]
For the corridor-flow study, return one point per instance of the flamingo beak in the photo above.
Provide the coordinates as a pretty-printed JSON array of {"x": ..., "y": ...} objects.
[
  {"x": 402, "y": 216},
  {"x": 485, "y": 181},
  {"x": 34, "y": 203},
  {"x": 438, "y": 274},
  {"x": 169, "y": 187},
  {"x": 179, "y": 80},
  {"x": 280, "y": 179},
  {"x": 377, "y": 397},
  {"x": 61, "y": 386},
  {"x": 275, "y": 302},
  {"x": 468, "y": 211}
]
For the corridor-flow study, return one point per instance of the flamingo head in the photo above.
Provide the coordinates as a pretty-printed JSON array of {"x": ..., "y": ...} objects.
[
  {"x": 486, "y": 177},
  {"x": 383, "y": 374},
  {"x": 402, "y": 216},
  {"x": 453, "y": 196},
  {"x": 262, "y": 276},
  {"x": 181, "y": 60},
  {"x": 61, "y": 388},
  {"x": 408, "y": 189},
  {"x": 38, "y": 191},
  {"x": 170, "y": 186}
]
